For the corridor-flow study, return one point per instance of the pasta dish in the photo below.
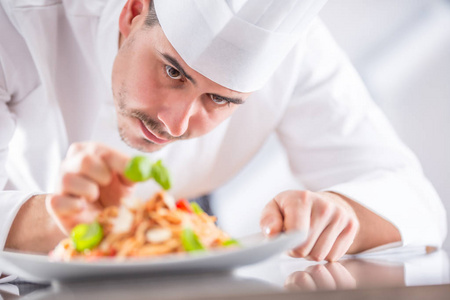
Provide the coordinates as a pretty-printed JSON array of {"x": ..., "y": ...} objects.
[{"x": 157, "y": 227}]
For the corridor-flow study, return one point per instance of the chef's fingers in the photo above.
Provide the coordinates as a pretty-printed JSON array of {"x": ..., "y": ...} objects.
[
  {"x": 329, "y": 235},
  {"x": 321, "y": 214},
  {"x": 271, "y": 221},
  {"x": 88, "y": 165},
  {"x": 68, "y": 211},
  {"x": 288, "y": 211},
  {"x": 77, "y": 185},
  {"x": 117, "y": 162},
  {"x": 342, "y": 277},
  {"x": 296, "y": 209},
  {"x": 97, "y": 162},
  {"x": 64, "y": 205},
  {"x": 344, "y": 241}
]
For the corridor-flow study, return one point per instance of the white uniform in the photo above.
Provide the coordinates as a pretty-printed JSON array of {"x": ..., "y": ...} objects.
[{"x": 55, "y": 66}]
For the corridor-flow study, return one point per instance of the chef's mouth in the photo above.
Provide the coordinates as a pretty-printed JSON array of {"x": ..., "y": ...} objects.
[{"x": 151, "y": 136}]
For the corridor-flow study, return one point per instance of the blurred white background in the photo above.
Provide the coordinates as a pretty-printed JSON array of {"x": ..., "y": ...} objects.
[{"x": 401, "y": 49}]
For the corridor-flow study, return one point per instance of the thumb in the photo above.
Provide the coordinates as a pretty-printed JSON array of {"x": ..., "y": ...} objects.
[
  {"x": 271, "y": 221},
  {"x": 118, "y": 162}
]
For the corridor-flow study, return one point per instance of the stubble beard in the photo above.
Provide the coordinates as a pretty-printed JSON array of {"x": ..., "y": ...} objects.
[
  {"x": 154, "y": 126},
  {"x": 124, "y": 137}
]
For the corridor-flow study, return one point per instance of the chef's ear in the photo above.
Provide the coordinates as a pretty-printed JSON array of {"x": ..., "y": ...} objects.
[{"x": 132, "y": 12}]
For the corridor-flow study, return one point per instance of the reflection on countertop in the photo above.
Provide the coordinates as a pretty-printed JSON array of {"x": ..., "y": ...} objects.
[
  {"x": 415, "y": 268},
  {"x": 276, "y": 276},
  {"x": 372, "y": 271}
]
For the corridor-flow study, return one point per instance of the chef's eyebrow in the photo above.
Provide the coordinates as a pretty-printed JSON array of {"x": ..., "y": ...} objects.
[
  {"x": 172, "y": 60},
  {"x": 177, "y": 66},
  {"x": 231, "y": 100}
]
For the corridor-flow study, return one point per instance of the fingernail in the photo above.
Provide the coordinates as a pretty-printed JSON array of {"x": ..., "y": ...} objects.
[{"x": 267, "y": 230}]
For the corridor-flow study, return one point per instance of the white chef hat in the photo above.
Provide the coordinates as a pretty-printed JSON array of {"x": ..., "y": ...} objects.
[{"x": 235, "y": 43}]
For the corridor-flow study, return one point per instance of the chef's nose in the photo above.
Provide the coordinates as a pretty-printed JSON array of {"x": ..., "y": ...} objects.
[{"x": 176, "y": 115}]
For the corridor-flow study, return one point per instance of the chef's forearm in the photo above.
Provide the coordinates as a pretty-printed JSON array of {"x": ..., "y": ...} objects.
[
  {"x": 374, "y": 230},
  {"x": 33, "y": 229}
]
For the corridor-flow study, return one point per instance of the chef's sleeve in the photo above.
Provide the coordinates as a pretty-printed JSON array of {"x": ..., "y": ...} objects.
[
  {"x": 10, "y": 78},
  {"x": 338, "y": 140},
  {"x": 10, "y": 201}
]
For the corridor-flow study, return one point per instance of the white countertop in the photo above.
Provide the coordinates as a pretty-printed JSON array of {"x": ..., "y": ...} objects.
[{"x": 280, "y": 276}]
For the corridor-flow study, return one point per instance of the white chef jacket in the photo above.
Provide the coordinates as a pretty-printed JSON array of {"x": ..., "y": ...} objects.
[{"x": 56, "y": 59}]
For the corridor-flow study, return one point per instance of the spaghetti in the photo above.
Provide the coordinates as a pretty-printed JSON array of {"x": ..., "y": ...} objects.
[{"x": 157, "y": 227}]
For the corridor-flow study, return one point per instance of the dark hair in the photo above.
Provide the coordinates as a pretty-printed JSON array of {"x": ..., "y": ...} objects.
[{"x": 151, "y": 18}]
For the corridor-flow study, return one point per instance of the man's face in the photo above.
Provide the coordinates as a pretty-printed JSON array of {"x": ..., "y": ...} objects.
[{"x": 158, "y": 97}]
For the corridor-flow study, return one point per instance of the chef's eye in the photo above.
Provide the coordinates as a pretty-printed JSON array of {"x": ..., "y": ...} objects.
[
  {"x": 173, "y": 73},
  {"x": 219, "y": 100}
]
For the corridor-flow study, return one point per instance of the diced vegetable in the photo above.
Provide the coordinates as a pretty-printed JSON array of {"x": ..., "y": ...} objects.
[
  {"x": 231, "y": 243},
  {"x": 190, "y": 241},
  {"x": 196, "y": 208},
  {"x": 139, "y": 169},
  {"x": 183, "y": 204},
  {"x": 161, "y": 175},
  {"x": 87, "y": 236}
]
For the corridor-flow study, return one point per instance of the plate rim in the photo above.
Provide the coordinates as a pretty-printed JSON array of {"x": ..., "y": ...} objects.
[{"x": 286, "y": 240}]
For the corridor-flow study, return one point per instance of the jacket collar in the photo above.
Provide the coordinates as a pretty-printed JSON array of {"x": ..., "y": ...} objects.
[{"x": 108, "y": 38}]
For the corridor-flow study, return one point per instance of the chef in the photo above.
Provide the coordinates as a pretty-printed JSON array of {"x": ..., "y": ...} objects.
[{"x": 84, "y": 85}]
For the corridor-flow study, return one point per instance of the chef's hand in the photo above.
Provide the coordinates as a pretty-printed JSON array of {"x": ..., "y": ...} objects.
[
  {"x": 330, "y": 221},
  {"x": 91, "y": 179},
  {"x": 331, "y": 276}
]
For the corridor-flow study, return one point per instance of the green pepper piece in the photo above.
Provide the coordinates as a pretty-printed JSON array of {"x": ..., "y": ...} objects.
[
  {"x": 190, "y": 241},
  {"x": 231, "y": 243},
  {"x": 139, "y": 169},
  {"x": 86, "y": 236},
  {"x": 161, "y": 175},
  {"x": 196, "y": 208}
]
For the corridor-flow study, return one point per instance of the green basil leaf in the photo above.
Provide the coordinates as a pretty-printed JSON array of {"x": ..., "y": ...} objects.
[
  {"x": 231, "y": 243},
  {"x": 196, "y": 208},
  {"x": 161, "y": 175},
  {"x": 190, "y": 241},
  {"x": 139, "y": 169},
  {"x": 86, "y": 236}
]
